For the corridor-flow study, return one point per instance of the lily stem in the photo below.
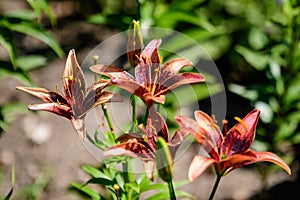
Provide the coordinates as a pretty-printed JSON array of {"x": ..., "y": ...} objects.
[
  {"x": 125, "y": 171},
  {"x": 134, "y": 119},
  {"x": 212, "y": 194},
  {"x": 110, "y": 125},
  {"x": 171, "y": 190},
  {"x": 146, "y": 116}
]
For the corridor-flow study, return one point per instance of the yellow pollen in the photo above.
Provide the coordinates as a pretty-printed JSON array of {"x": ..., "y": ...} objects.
[
  {"x": 82, "y": 93},
  {"x": 242, "y": 123}
]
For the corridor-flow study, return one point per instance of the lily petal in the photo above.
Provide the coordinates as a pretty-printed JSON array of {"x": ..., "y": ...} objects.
[
  {"x": 212, "y": 132},
  {"x": 73, "y": 80},
  {"x": 137, "y": 89},
  {"x": 79, "y": 126},
  {"x": 55, "y": 108},
  {"x": 271, "y": 157},
  {"x": 198, "y": 166},
  {"x": 178, "y": 80},
  {"x": 111, "y": 71},
  {"x": 240, "y": 137},
  {"x": 150, "y": 53},
  {"x": 158, "y": 123},
  {"x": 131, "y": 145},
  {"x": 41, "y": 93},
  {"x": 149, "y": 167},
  {"x": 190, "y": 126},
  {"x": 235, "y": 161},
  {"x": 173, "y": 67},
  {"x": 177, "y": 139}
]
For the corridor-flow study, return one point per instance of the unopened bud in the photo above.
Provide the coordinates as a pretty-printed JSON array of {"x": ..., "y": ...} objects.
[
  {"x": 134, "y": 43},
  {"x": 164, "y": 160}
]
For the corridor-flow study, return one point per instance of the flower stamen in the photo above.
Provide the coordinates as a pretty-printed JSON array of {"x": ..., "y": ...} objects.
[
  {"x": 240, "y": 132},
  {"x": 242, "y": 123},
  {"x": 225, "y": 126}
]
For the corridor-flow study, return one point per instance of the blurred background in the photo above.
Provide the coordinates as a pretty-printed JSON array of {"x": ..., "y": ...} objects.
[{"x": 254, "y": 43}]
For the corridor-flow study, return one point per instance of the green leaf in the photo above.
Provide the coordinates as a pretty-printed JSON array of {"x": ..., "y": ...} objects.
[
  {"x": 8, "y": 42},
  {"x": 164, "y": 195},
  {"x": 31, "y": 62},
  {"x": 6, "y": 70},
  {"x": 9, "y": 111},
  {"x": 135, "y": 186},
  {"x": 25, "y": 14},
  {"x": 86, "y": 191},
  {"x": 7, "y": 197},
  {"x": 257, "y": 38},
  {"x": 293, "y": 91},
  {"x": 255, "y": 59},
  {"x": 154, "y": 186},
  {"x": 35, "y": 30},
  {"x": 94, "y": 172},
  {"x": 42, "y": 5},
  {"x": 101, "y": 181}
]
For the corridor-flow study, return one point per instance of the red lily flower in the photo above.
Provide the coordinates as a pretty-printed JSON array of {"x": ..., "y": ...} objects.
[
  {"x": 77, "y": 100},
  {"x": 226, "y": 152},
  {"x": 143, "y": 147},
  {"x": 152, "y": 81}
]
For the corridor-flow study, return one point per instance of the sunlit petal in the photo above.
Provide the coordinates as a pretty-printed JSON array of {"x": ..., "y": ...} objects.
[
  {"x": 178, "y": 80},
  {"x": 41, "y": 93},
  {"x": 198, "y": 166},
  {"x": 111, "y": 71},
  {"x": 240, "y": 137},
  {"x": 271, "y": 157},
  {"x": 55, "y": 108}
]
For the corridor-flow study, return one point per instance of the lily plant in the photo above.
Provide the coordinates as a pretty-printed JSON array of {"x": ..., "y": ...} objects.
[
  {"x": 226, "y": 151},
  {"x": 150, "y": 141},
  {"x": 143, "y": 146},
  {"x": 77, "y": 99}
]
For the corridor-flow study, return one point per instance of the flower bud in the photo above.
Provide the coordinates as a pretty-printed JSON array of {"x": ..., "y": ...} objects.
[
  {"x": 134, "y": 43},
  {"x": 164, "y": 161}
]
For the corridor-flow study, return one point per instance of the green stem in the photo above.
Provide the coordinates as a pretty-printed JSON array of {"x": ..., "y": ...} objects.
[
  {"x": 146, "y": 116},
  {"x": 134, "y": 119},
  {"x": 104, "y": 109},
  {"x": 212, "y": 194},
  {"x": 171, "y": 190},
  {"x": 125, "y": 171}
]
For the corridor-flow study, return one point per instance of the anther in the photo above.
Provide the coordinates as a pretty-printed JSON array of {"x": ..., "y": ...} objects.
[
  {"x": 225, "y": 126},
  {"x": 241, "y": 122}
]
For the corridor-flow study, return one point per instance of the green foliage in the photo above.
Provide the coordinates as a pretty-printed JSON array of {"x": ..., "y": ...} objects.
[
  {"x": 272, "y": 49},
  {"x": 34, "y": 191},
  {"x": 18, "y": 67},
  {"x": 111, "y": 180},
  {"x": 9, "y": 194}
]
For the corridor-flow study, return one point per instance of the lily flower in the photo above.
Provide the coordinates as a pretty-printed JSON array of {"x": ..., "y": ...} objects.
[
  {"x": 227, "y": 152},
  {"x": 77, "y": 100},
  {"x": 152, "y": 80},
  {"x": 143, "y": 146}
]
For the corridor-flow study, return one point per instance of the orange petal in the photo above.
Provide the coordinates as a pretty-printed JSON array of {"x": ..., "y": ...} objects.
[
  {"x": 198, "y": 166},
  {"x": 270, "y": 157},
  {"x": 41, "y": 93}
]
